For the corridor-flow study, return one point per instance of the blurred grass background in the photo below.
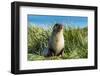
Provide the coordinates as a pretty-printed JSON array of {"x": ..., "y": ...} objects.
[{"x": 76, "y": 43}]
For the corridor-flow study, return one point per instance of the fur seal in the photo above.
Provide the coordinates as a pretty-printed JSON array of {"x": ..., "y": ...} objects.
[{"x": 56, "y": 41}]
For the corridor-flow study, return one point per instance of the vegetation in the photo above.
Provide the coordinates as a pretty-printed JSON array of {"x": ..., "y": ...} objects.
[{"x": 76, "y": 43}]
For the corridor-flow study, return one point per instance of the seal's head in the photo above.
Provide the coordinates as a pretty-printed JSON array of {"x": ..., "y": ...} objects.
[{"x": 58, "y": 28}]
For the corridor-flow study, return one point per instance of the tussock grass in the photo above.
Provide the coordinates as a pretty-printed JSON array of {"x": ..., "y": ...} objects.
[{"x": 76, "y": 43}]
